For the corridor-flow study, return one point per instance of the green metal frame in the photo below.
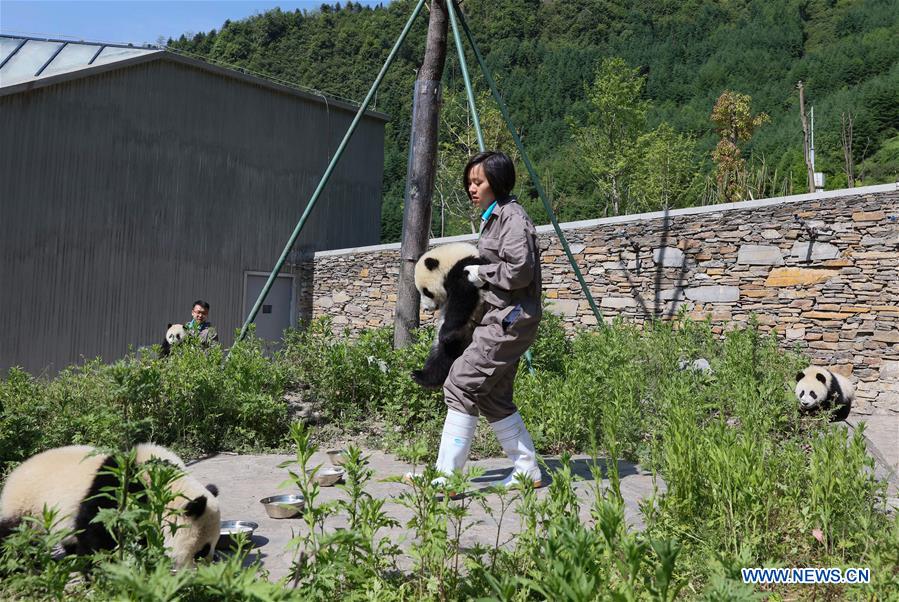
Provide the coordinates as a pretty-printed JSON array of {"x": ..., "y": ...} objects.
[
  {"x": 469, "y": 92},
  {"x": 456, "y": 18},
  {"x": 327, "y": 175},
  {"x": 524, "y": 157},
  {"x": 464, "y": 67}
]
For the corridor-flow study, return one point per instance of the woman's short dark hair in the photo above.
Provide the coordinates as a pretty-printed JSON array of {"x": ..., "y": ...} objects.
[
  {"x": 499, "y": 170},
  {"x": 201, "y": 303}
]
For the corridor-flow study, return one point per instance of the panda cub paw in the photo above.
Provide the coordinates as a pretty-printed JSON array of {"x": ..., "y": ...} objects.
[
  {"x": 425, "y": 381},
  {"x": 474, "y": 278}
]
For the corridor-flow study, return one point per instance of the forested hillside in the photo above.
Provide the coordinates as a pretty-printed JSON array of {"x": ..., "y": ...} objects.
[{"x": 614, "y": 99}]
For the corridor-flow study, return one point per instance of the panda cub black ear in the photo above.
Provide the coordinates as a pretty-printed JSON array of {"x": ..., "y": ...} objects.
[
  {"x": 821, "y": 378},
  {"x": 431, "y": 263},
  {"x": 800, "y": 376},
  {"x": 169, "y": 326},
  {"x": 213, "y": 489},
  {"x": 195, "y": 507}
]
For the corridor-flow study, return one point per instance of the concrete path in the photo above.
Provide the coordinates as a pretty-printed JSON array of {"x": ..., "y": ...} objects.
[
  {"x": 244, "y": 480},
  {"x": 882, "y": 439}
]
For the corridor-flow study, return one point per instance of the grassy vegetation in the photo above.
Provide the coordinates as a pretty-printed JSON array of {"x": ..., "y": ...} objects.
[{"x": 750, "y": 482}]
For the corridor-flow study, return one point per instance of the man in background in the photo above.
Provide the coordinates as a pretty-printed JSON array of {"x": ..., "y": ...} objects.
[{"x": 200, "y": 326}]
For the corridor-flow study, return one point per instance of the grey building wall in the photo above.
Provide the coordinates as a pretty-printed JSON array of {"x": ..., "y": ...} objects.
[{"x": 126, "y": 195}]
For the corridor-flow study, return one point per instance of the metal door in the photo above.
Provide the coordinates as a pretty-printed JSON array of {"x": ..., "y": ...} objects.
[{"x": 274, "y": 315}]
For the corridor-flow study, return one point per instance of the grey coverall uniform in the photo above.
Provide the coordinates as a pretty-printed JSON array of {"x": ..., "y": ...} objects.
[{"x": 480, "y": 380}]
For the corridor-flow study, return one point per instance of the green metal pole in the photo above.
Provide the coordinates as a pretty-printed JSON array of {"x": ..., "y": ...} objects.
[
  {"x": 528, "y": 356},
  {"x": 534, "y": 178},
  {"x": 451, "y": 9},
  {"x": 327, "y": 174}
]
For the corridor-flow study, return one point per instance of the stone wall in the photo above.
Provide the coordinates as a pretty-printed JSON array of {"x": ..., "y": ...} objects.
[{"x": 821, "y": 270}]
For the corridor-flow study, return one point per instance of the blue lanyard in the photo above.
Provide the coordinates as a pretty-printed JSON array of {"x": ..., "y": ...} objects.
[{"x": 486, "y": 215}]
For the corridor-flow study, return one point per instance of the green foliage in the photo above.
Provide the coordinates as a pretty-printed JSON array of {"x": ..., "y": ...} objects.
[
  {"x": 140, "y": 519},
  {"x": 361, "y": 378},
  {"x": 842, "y": 483},
  {"x": 193, "y": 400},
  {"x": 734, "y": 124},
  {"x": 635, "y": 169},
  {"x": 715, "y": 438},
  {"x": 665, "y": 171},
  {"x": 885, "y": 163},
  {"x": 552, "y": 346},
  {"x": 609, "y": 140},
  {"x": 544, "y": 55},
  {"x": 453, "y": 211},
  {"x": 23, "y": 415},
  {"x": 28, "y": 569}
]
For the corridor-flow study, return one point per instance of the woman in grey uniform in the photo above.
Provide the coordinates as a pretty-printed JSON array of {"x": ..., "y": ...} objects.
[{"x": 480, "y": 381}]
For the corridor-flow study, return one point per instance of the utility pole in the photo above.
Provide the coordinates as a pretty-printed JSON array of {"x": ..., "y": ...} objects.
[
  {"x": 806, "y": 139},
  {"x": 420, "y": 173}
]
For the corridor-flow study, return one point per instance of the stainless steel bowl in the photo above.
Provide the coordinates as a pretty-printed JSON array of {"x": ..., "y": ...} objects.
[
  {"x": 230, "y": 529},
  {"x": 328, "y": 477},
  {"x": 337, "y": 457},
  {"x": 283, "y": 506}
]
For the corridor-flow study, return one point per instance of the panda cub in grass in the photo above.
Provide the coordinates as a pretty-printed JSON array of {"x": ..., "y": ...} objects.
[
  {"x": 819, "y": 388},
  {"x": 70, "y": 479},
  {"x": 443, "y": 284},
  {"x": 173, "y": 335}
]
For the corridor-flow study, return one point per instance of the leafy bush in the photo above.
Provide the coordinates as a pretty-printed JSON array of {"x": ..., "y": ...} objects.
[
  {"x": 363, "y": 378},
  {"x": 194, "y": 400},
  {"x": 749, "y": 482},
  {"x": 346, "y": 377}
]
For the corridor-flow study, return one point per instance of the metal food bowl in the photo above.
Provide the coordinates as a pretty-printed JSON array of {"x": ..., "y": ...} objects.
[
  {"x": 283, "y": 506},
  {"x": 338, "y": 457},
  {"x": 229, "y": 531},
  {"x": 328, "y": 477}
]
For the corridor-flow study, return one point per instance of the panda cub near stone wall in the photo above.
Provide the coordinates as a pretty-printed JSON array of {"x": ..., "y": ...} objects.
[
  {"x": 818, "y": 388},
  {"x": 70, "y": 479},
  {"x": 442, "y": 282}
]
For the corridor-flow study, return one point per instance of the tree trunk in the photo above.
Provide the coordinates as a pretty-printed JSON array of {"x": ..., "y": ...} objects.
[
  {"x": 846, "y": 140},
  {"x": 615, "y": 197},
  {"x": 806, "y": 139},
  {"x": 420, "y": 174}
]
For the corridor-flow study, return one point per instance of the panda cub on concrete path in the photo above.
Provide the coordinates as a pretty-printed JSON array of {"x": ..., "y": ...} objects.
[
  {"x": 173, "y": 335},
  {"x": 69, "y": 479},
  {"x": 442, "y": 282},
  {"x": 819, "y": 388}
]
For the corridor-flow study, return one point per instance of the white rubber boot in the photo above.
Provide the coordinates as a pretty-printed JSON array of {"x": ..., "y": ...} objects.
[
  {"x": 455, "y": 443},
  {"x": 517, "y": 443}
]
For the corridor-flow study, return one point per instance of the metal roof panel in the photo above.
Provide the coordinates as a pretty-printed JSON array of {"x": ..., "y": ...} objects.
[
  {"x": 29, "y": 63},
  {"x": 70, "y": 58},
  {"x": 8, "y": 46},
  {"x": 111, "y": 54},
  {"x": 24, "y": 64},
  {"x": 31, "y": 59}
]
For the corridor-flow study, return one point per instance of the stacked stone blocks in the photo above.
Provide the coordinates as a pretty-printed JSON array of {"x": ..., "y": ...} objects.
[{"x": 821, "y": 271}]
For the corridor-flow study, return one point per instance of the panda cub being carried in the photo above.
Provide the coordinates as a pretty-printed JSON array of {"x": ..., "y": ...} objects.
[
  {"x": 443, "y": 284},
  {"x": 174, "y": 334},
  {"x": 819, "y": 388}
]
